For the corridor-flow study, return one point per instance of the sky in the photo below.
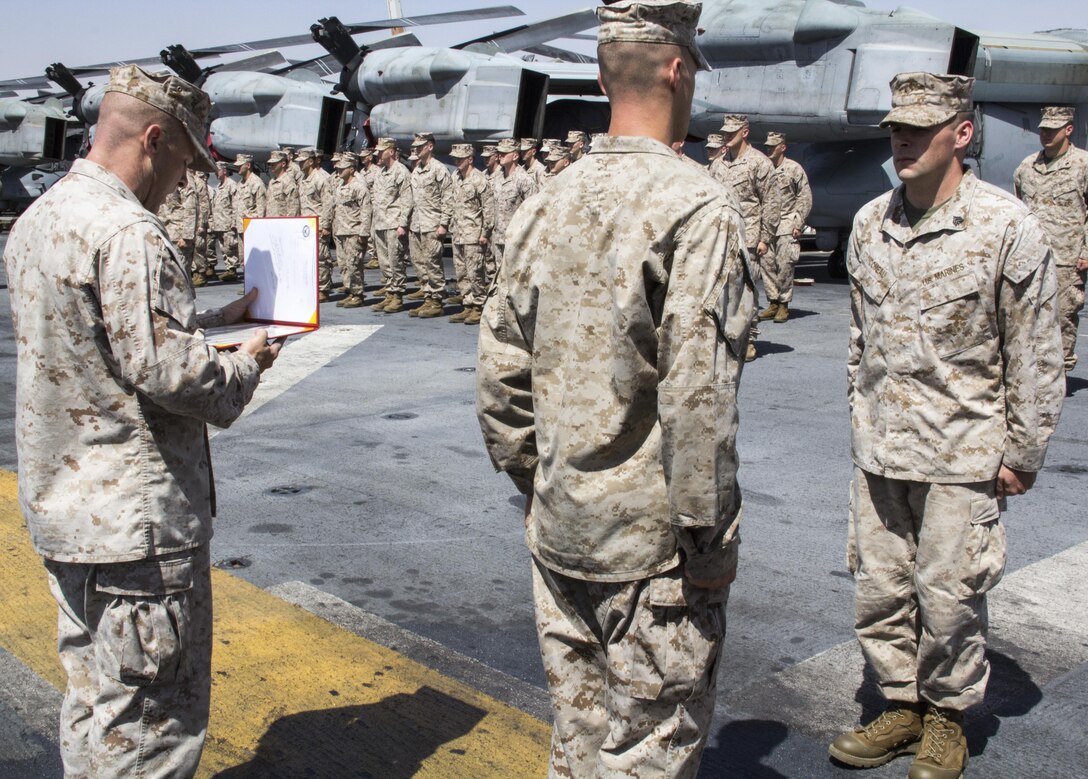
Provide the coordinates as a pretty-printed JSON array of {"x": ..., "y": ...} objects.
[{"x": 76, "y": 32}]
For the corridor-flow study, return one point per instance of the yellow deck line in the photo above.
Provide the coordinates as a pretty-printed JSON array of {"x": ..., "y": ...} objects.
[{"x": 294, "y": 695}]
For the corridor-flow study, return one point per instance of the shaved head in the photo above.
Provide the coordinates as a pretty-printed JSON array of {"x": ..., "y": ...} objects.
[
  {"x": 629, "y": 70},
  {"x": 649, "y": 87},
  {"x": 123, "y": 119}
]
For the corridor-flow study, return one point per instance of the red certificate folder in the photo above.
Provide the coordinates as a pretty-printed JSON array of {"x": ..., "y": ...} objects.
[{"x": 281, "y": 261}]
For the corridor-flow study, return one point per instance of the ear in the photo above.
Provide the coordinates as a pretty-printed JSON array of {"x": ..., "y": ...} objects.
[
  {"x": 675, "y": 73},
  {"x": 153, "y": 139},
  {"x": 965, "y": 131}
]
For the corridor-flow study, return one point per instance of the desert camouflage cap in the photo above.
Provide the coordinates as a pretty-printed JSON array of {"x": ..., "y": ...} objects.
[
  {"x": 1055, "y": 117},
  {"x": 385, "y": 143},
  {"x": 347, "y": 160},
  {"x": 773, "y": 139},
  {"x": 557, "y": 153},
  {"x": 528, "y": 143},
  {"x": 277, "y": 156},
  {"x": 242, "y": 159},
  {"x": 652, "y": 21},
  {"x": 928, "y": 99},
  {"x": 734, "y": 122},
  {"x": 174, "y": 96},
  {"x": 365, "y": 153},
  {"x": 506, "y": 145},
  {"x": 577, "y": 135},
  {"x": 714, "y": 141},
  {"x": 549, "y": 143},
  {"x": 489, "y": 150},
  {"x": 309, "y": 153},
  {"x": 422, "y": 139},
  {"x": 288, "y": 150},
  {"x": 222, "y": 165},
  {"x": 461, "y": 150}
]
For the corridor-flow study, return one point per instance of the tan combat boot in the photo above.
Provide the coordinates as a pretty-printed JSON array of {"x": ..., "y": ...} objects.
[
  {"x": 393, "y": 304},
  {"x": 751, "y": 353},
  {"x": 380, "y": 305},
  {"x": 417, "y": 295},
  {"x": 455, "y": 300},
  {"x": 199, "y": 280},
  {"x": 430, "y": 309},
  {"x": 351, "y": 301},
  {"x": 898, "y": 731},
  {"x": 475, "y": 314},
  {"x": 768, "y": 312},
  {"x": 228, "y": 275},
  {"x": 942, "y": 753},
  {"x": 783, "y": 313},
  {"x": 322, "y": 296},
  {"x": 372, "y": 264},
  {"x": 460, "y": 317}
]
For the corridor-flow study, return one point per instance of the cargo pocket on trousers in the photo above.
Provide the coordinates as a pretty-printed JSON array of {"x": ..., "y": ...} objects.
[
  {"x": 140, "y": 636},
  {"x": 985, "y": 548},
  {"x": 671, "y": 652}
]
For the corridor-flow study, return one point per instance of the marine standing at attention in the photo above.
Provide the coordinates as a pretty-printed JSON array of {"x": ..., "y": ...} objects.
[
  {"x": 955, "y": 386},
  {"x": 222, "y": 225},
  {"x": 391, "y": 199},
  {"x": 351, "y": 221},
  {"x": 614, "y": 411},
  {"x": 282, "y": 190},
  {"x": 432, "y": 208},
  {"x": 470, "y": 231},
  {"x": 1054, "y": 185},
  {"x": 252, "y": 199},
  {"x": 795, "y": 203},
  {"x": 114, "y": 391}
]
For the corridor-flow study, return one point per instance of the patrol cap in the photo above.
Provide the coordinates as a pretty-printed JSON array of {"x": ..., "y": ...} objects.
[
  {"x": 347, "y": 160},
  {"x": 714, "y": 141},
  {"x": 577, "y": 135},
  {"x": 173, "y": 96},
  {"x": 288, "y": 150},
  {"x": 277, "y": 156},
  {"x": 734, "y": 122},
  {"x": 365, "y": 153},
  {"x": 528, "y": 143},
  {"x": 928, "y": 99},
  {"x": 422, "y": 139},
  {"x": 490, "y": 150},
  {"x": 506, "y": 145},
  {"x": 385, "y": 143},
  {"x": 773, "y": 139},
  {"x": 558, "y": 153},
  {"x": 461, "y": 150},
  {"x": 1055, "y": 117},
  {"x": 550, "y": 143},
  {"x": 652, "y": 21},
  {"x": 241, "y": 160},
  {"x": 222, "y": 165},
  {"x": 309, "y": 153}
]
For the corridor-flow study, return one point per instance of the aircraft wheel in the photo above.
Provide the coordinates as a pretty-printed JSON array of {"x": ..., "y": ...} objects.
[{"x": 836, "y": 264}]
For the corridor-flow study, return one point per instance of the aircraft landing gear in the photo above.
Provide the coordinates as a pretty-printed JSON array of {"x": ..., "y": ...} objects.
[{"x": 836, "y": 263}]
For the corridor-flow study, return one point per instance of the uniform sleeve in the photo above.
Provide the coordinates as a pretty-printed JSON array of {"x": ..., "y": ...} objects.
[
  {"x": 1031, "y": 346},
  {"x": 1018, "y": 181},
  {"x": 504, "y": 384},
  {"x": 148, "y": 311},
  {"x": 328, "y": 204},
  {"x": 770, "y": 203},
  {"x": 703, "y": 336},
  {"x": 857, "y": 321},
  {"x": 262, "y": 199},
  {"x": 405, "y": 202},
  {"x": 804, "y": 199},
  {"x": 487, "y": 202},
  {"x": 445, "y": 197},
  {"x": 366, "y": 211}
]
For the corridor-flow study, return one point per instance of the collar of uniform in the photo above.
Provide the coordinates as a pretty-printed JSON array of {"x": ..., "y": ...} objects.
[
  {"x": 1061, "y": 163},
  {"x": 103, "y": 176},
  {"x": 625, "y": 144},
  {"x": 952, "y": 216}
]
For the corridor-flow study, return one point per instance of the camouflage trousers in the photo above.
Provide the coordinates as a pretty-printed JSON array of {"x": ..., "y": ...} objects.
[
  {"x": 923, "y": 557},
  {"x": 1070, "y": 303},
  {"x": 492, "y": 261},
  {"x": 135, "y": 640},
  {"x": 324, "y": 262},
  {"x": 756, "y": 267},
  {"x": 200, "y": 253},
  {"x": 777, "y": 266},
  {"x": 349, "y": 256},
  {"x": 632, "y": 670},
  {"x": 225, "y": 241},
  {"x": 468, "y": 265},
  {"x": 391, "y": 252},
  {"x": 426, "y": 249}
]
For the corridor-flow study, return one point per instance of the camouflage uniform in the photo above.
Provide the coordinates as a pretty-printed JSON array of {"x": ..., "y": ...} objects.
[
  {"x": 510, "y": 192},
  {"x": 795, "y": 202},
  {"x": 391, "y": 198},
  {"x": 223, "y": 224},
  {"x": 432, "y": 207},
  {"x": 199, "y": 183},
  {"x": 472, "y": 214},
  {"x": 283, "y": 196},
  {"x": 114, "y": 474},
  {"x": 178, "y": 214},
  {"x": 252, "y": 204},
  {"x": 632, "y": 466},
  {"x": 954, "y": 370},
  {"x": 317, "y": 197},
  {"x": 1057, "y": 193},
  {"x": 350, "y": 227}
]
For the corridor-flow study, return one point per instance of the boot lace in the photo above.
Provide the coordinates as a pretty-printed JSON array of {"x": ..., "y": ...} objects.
[
  {"x": 884, "y": 722},
  {"x": 938, "y": 730}
]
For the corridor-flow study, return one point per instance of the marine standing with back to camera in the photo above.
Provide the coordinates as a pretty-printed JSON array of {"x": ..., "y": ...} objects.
[
  {"x": 955, "y": 387},
  {"x": 1054, "y": 185},
  {"x": 612, "y": 406},
  {"x": 114, "y": 391}
]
